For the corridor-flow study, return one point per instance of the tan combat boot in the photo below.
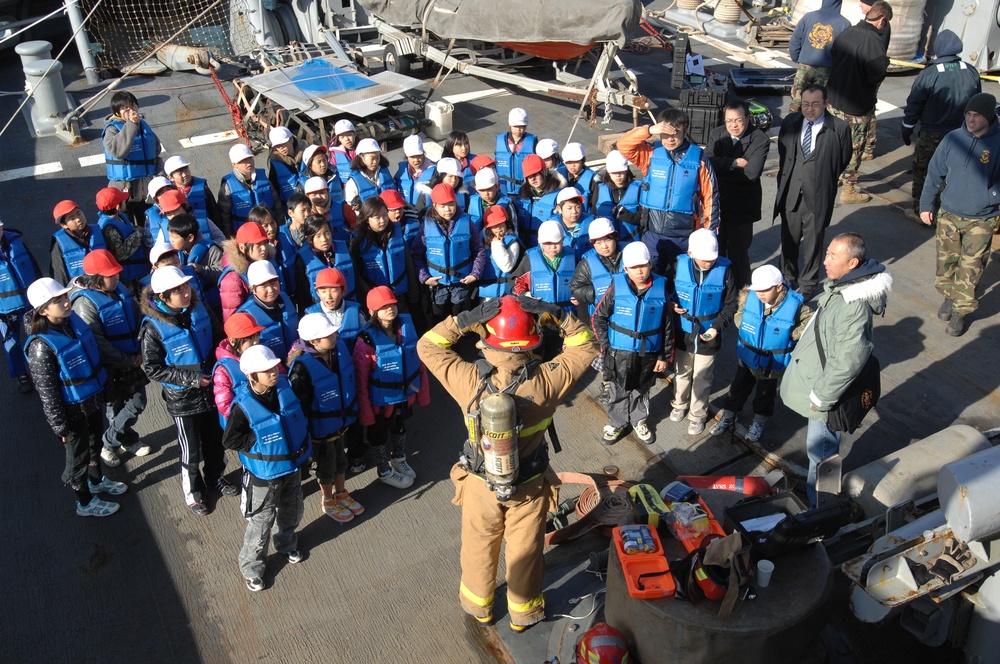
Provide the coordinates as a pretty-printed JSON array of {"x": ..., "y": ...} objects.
[{"x": 849, "y": 195}]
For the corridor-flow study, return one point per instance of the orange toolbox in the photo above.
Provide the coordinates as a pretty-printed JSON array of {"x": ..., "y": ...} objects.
[{"x": 647, "y": 573}]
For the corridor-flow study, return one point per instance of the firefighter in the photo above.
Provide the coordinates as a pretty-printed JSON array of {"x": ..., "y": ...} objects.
[{"x": 512, "y": 508}]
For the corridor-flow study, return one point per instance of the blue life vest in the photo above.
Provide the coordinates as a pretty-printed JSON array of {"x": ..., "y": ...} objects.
[
  {"x": 509, "y": 164},
  {"x": 366, "y": 188},
  {"x": 637, "y": 322},
  {"x": 285, "y": 258},
  {"x": 411, "y": 229},
  {"x": 278, "y": 335},
  {"x": 118, "y": 317},
  {"x": 582, "y": 183},
  {"x": 397, "y": 367},
  {"x": 198, "y": 200},
  {"x": 199, "y": 256},
  {"x": 341, "y": 260},
  {"x": 135, "y": 266},
  {"x": 477, "y": 210},
  {"x": 335, "y": 393},
  {"x": 449, "y": 256},
  {"x": 245, "y": 198},
  {"x": 600, "y": 276},
  {"x": 551, "y": 285},
  {"x": 627, "y": 231},
  {"x": 140, "y": 162},
  {"x": 236, "y": 376},
  {"x": 286, "y": 177},
  {"x": 468, "y": 177},
  {"x": 765, "y": 342},
  {"x": 157, "y": 222},
  {"x": 702, "y": 301},
  {"x": 579, "y": 240},
  {"x": 670, "y": 186},
  {"x": 351, "y": 323},
  {"x": 72, "y": 253},
  {"x": 186, "y": 349},
  {"x": 407, "y": 186},
  {"x": 386, "y": 267},
  {"x": 333, "y": 186},
  {"x": 531, "y": 213},
  {"x": 17, "y": 272},
  {"x": 495, "y": 281},
  {"x": 282, "y": 439},
  {"x": 343, "y": 164},
  {"x": 81, "y": 374}
]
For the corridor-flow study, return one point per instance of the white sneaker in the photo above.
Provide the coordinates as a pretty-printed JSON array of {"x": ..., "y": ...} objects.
[
  {"x": 109, "y": 457},
  {"x": 642, "y": 432},
  {"x": 96, "y": 507},
  {"x": 722, "y": 424},
  {"x": 138, "y": 448},
  {"x": 678, "y": 414},
  {"x": 755, "y": 431},
  {"x": 397, "y": 479},
  {"x": 695, "y": 427},
  {"x": 400, "y": 466}
]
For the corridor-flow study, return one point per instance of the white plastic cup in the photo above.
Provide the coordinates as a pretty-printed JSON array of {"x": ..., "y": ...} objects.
[{"x": 764, "y": 570}]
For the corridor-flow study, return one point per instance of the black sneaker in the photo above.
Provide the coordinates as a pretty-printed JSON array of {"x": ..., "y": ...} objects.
[
  {"x": 24, "y": 384},
  {"x": 255, "y": 584},
  {"x": 226, "y": 488},
  {"x": 199, "y": 508},
  {"x": 295, "y": 556},
  {"x": 358, "y": 466}
]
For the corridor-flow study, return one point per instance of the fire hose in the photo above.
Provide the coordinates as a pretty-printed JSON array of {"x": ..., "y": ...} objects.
[{"x": 603, "y": 504}]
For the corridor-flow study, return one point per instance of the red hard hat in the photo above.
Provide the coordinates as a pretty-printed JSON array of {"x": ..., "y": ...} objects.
[
  {"x": 495, "y": 216},
  {"x": 532, "y": 165},
  {"x": 442, "y": 193},
  {"x": 603, "y": 644},
  {"x": 63, "y": 208},
  {"x": 481, "y": 161},
  {"x": 102, "y": 262},
  {"x": 110, "y": 198},
  {"x": 380, "y": 296},
  {"x": 251, "y": 233},
  {"x": 330, "y": 277},
  {"x": 241, "y": 325},
  {"x": 512, "y": 329},
  {"x": 393, "y": 199},
  {"x": 171, "y": 200}
]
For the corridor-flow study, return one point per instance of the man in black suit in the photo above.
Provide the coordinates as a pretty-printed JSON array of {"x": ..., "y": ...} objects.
[
  {"x": 814, "y": 148},
  {"x": 737, "y": 152}
]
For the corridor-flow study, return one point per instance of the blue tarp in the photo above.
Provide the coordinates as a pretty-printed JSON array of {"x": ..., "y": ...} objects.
[{"x": 319, "y": 77}]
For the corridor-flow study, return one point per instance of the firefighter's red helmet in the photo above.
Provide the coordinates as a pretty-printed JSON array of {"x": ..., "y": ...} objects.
[
  {"x": 603, "y": 644},
  {"x": 512, "y": 329}
]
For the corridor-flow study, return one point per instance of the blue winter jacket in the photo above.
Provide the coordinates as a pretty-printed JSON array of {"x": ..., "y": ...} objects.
[
  {"x": 964, "y": 175},
  {"x": 814, "y": 34}
]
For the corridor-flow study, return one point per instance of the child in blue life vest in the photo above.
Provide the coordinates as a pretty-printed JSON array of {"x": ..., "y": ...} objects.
[
  {"x": 198, "y": 252},
  {"x": 18, "y": 270},
  {"x": 271, "y": 308},
  {"x": 65, "y": 364},
  {"x": 177, "y": 339},
  {"x": 342, "y": 147},
  {"x": 249, "y": 245},
  {"x": 512, "y": 148},
  {"x": 705, "y": 295},
  {"x": 282, "y": 250},
  {"x": 390, "y": 379},
  {"x": 200, "y": 199},
  {"x": 155, "y": 219},
  {"x": 569, "y": 210},
  {"x": 108, "y": 308},
  {"x": 381, "y": 257},
  {"x": 299, "y": 207},
  {"x": 770, "y": 318},
  {"x": 413, "y": 175},
  {"x": 322, "y": 377},
  {"x": 324, "y": 205},
  {"x": 578, "y": 174},
  {"x": 270, "y": 432},
  {"x": 487, "y": 194},
  {"x": 320, "y": 251},
  {"x": 536, "y": 198},
  {"x": 449, "y": 171},
  {"x": 71, "y": 242},
  {"x": 348, "y": 316},
  {"x": 458, "y": 146},
  {"x": 369, "y": 175},
  {"x": 243, "y": 188},
  {"x": 121, "y": 238},
  {"x": 505, "y": 252},
  {"x": 283, "y": 162},
  {"x": 242, "y": 332},
  {"x": 131, "y": 152},
  {"x": 617, "y": 197},
  {"x": 548, "y": 150}
]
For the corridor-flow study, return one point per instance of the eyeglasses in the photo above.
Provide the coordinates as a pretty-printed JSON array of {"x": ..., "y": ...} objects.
[
  {"x": 735, "y": 120},
  {"x": 813, "y": 104}
]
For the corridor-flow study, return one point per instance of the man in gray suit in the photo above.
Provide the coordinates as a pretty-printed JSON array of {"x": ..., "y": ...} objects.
[{"x": 814, "y": 148}]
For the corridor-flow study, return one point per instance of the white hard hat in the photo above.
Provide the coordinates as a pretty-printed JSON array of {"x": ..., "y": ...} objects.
[
  {"x": 158, "y": 250},
  {"x": 43, "y": 290},
  {"x": 600, "y": 227},
  {"x": 546, "y": 148},
  {"x": 616, "y": 162},
  {"x": 279, "y": 135},
  {"x": 764, "y": 277},
  {"x": 239, "y": 152},
  {"x": 175, "y": 163},
  {"x": 367, "y": 145},
  {"x": 167, "y": 278},
  {"x": 342, "y": 127},
  {"x": 413, "y": 146},
  {"x": 260, "y": 272},
  {"x": 311, "y": 151},
  {"x": 634, "y": 254},
  {"x": 258, "y": 358},
  {"x": 450, "y": 166},
  {"x": 702, "y": 245},
  {"x": 314, "y": 184},
  {"x": 551, "y": 231},
  {"x": 486, "y": 178},
  {"x": 155, "y": 185},
  {"x": 316, "y": 326},
  {"x": 573, "y": 152},
  {"x": 567, "y": 194},
  {"x": 517, "y": 117}
]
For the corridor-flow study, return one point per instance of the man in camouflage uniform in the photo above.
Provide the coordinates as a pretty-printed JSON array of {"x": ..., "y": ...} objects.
[
  {"x": 809, "y": 47},
  {"x": 859, "y": 66},
  {"x": 937, "y": 101},
  {"x": 963, "y": 192},
  {"x": 885, "y": 34}
]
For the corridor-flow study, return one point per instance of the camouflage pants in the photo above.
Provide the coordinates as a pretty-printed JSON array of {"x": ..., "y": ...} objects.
[
  {"x": 963, "y": 249},
  {"x": 806, "y": 75},
  {"x": 860, "y": 127},
  {"x": 923, "y": 150}
]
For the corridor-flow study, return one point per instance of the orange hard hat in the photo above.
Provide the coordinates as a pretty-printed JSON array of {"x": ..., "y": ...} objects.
[
  {"x": 380, "y": 296},
  {"x": 102, "y": 262},
  {"x": 602, "y": 644},
  {"x": 512, "y": 329}
]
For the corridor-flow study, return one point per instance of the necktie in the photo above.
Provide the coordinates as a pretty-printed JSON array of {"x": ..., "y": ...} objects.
[{"x": 807, "y": 139}]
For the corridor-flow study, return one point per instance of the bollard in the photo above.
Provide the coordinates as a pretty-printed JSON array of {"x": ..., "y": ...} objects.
[
  {"x": 49, "y": 101},
  {"x": 31, "y": 51}
]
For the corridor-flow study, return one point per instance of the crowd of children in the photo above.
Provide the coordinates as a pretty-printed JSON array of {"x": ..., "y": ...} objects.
[{"x": 280, "y": 315}]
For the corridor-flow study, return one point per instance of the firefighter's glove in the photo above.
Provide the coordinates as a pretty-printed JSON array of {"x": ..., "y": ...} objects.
[
  {"x": 472, "y": 320},
  {"x": 546, "y": 311},
  {"x": 907, "y": 134}
]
